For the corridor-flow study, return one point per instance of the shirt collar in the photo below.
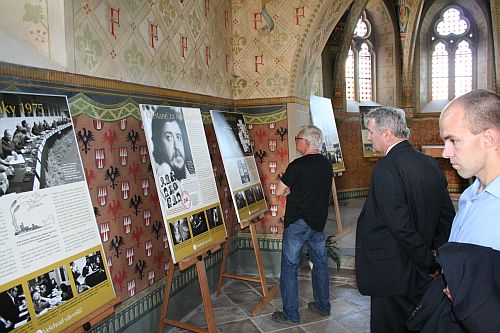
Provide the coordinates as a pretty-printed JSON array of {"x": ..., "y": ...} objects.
[
  {"x": 493, "y": 188},
  {"x": 392, "y": 146}
]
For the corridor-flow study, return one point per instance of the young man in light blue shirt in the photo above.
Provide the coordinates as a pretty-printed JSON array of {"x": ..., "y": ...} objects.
[{"x": 470, "y": 129}]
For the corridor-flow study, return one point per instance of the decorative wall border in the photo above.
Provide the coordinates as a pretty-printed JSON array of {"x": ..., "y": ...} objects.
[
  {"x": 90, "y": 83},
  {"x": 129, "y": 313},
  {"x": 268, "y": 242},
  {"x": 351, "y": 194},
  {"x": 18, "y": 75}
]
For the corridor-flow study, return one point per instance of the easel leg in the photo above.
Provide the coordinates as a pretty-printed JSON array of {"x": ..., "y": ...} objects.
[
  {"x": 341, "y": 231},
  {"x": 205, "y": 294},
  {"x": 166, "y": 297},
  {"x": 268, "y": 296},
  {"x": 223, "y": 266},
  {"x": 260, "y": 267}
]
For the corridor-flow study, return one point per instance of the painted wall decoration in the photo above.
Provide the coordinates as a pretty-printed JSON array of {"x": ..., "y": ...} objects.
[
  {"x": 119, "y": 176},
  {"x": 53, "y": 270},
  {"x": 323, "y": 117},
  {"x": 269, "y": 140},
  {"x": 185, "y": 182},
  {"x": 239, "y": 163}
]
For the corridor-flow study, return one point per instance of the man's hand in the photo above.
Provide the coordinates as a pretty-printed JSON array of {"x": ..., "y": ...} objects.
[
  {"x": 448, "y": 293},
  {"x": 282, "y": 189},
  {"x": 436, "y": 274}
]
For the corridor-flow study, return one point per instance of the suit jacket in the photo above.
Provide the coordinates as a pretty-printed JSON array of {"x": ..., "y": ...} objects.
[
  {"x": 408, "y": 213},
  {"x": 472, "y": 274},
  {"x": 8, "y": 309}
]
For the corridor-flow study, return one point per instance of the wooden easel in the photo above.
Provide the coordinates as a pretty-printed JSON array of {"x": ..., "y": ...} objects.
[
  {"x": 198, "y": 259},
  {"x": 268, "y": 295},
  {"x": 341, "y": 231}
]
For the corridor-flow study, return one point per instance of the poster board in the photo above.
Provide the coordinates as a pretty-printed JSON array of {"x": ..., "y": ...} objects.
[
  {"x": 52, "y": 271},
  {"x": 239, "y": 163},
  {"x": 323, "y": 117},
  {"x": 184, "y": 179},
  {"x": 367, "y": 145}
]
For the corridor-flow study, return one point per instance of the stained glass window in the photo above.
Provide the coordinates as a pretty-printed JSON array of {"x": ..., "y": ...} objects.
[
  {"x": 359, "y": 63},
  {"x": 452, "y": 23},
  {"x": 440, "y": 72},
  {"x": 365, "y": 73},
  {"x": 361, "y": 28},
  {"x": 463, "y": 68},
  {"x": 349, "y": 76},
  {"x": 452, "y": 57}
]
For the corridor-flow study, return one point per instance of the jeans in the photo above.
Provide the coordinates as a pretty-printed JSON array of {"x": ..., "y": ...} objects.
[{"x": 295, "y": 236}]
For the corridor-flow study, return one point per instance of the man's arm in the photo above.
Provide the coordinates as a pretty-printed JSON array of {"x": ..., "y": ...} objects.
[
  {"x": 282, "y": 189},
  {"x": 445, "y": 220},
  {"x": 393, "y": 208}
]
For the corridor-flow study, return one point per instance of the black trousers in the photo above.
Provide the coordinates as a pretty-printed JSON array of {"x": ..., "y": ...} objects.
[{"x": 390, "y": 313}]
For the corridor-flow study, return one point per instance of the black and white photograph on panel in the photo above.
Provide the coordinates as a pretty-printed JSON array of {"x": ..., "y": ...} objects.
[
  {"x": 259, "y": 194},
  {"x": 243, "y": 136},
  {"x": 88, "y": 271},
  {"x": 198, "y": 223},
  {"x": 232, "y": 136},
  {"x": 214, "y": 217},
  {"x": 171, "y": 148},
  {"x": 250, "y": 196},
  {"x": 171, "y": 151},
  {"x": 243, "y": 170},
  {"x": 14, "y": 310},
  {"x": 38, "y": 147},
  {"x": 240, "y": 200},
  {"x": 50, "y": 290},
  {"x": 180, "y": 231}
]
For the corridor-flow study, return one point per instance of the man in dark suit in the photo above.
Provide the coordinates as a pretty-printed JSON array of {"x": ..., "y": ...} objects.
[
  {"x": 407, "y": 214},
  {"x": 9, "y": 311}
]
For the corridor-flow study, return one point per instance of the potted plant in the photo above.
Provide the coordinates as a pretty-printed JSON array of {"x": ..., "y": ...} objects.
[{"x": 331, "y": 250}]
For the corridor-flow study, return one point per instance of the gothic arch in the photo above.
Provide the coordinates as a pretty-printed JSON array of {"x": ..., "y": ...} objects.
[
  {"x": 312, "y": 44},
  {"x": 478, "y": 12},
  {"x": 329, "y": 16}
]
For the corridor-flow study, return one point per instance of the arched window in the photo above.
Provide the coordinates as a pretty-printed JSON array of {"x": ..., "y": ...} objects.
[
  {"x": 452, "y": 54},
  {"x": 360, "y": 63}
]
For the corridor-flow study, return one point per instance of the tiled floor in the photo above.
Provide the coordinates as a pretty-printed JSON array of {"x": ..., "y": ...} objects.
[
  {"x": 350, "y": 310},
  {"x": 233, "y": 310}
]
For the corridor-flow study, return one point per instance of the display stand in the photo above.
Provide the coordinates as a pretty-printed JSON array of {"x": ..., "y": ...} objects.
[
  {"x": 268, "y": 295},
  {"x": 91, "y": 320},
  {"x": 341, "y": 231},
  {"x": 198, "y": 259}
]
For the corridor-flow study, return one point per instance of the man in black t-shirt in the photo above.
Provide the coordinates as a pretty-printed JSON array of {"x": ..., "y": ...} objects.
[{"x": 307, "y": 183}]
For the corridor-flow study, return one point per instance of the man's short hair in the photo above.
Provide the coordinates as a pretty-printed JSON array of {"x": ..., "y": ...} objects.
[
  {"x": 481, "y": 108},
  {"x": 390, "y": 118},
  {"x": 313, "y": 135}
]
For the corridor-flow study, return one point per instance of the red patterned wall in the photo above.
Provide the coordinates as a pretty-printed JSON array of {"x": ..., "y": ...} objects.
[{"x": 122, "y": 187}]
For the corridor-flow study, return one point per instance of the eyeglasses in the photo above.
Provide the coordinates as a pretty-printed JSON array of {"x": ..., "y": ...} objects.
[{"x": 297, "y": 139}]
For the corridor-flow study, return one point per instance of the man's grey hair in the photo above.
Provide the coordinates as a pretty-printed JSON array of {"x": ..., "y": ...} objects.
[
  {"x": 481, "y": 108},
  {"x": 389, "y": 118},
  {"x": 313, "y": 135}
]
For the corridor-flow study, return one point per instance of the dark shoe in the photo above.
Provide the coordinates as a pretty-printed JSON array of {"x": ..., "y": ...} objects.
[
  {"x": 312, "y": 307},
  {"x": 280, "y": 317}
]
